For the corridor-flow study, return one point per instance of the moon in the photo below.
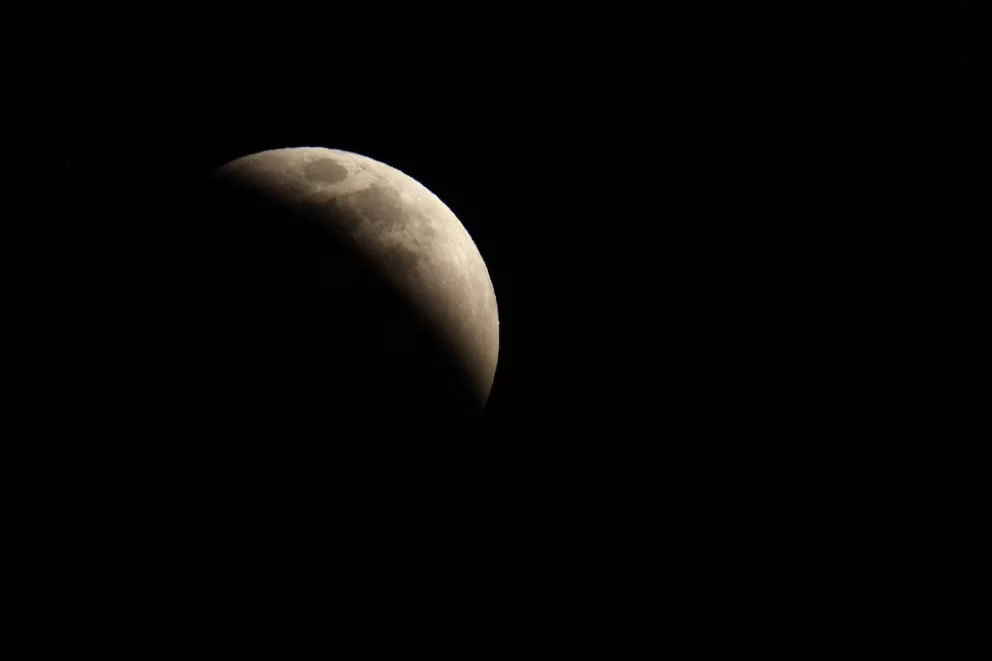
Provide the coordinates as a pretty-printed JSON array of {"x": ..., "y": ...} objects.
[{"x": 379, "y": 279}]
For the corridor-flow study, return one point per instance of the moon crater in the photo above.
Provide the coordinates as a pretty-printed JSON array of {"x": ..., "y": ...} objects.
[{"x": 325, "y": 170}]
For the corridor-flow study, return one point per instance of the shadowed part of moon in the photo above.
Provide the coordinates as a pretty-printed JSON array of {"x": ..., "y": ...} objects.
[
  {"x": 402, "y": 258},
  {"x": 325, "y": 170},
  {"x": 348, "y": 222}
]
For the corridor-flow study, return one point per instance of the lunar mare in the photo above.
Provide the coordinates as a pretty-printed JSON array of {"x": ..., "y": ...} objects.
[{"x": 397, "y": 224}]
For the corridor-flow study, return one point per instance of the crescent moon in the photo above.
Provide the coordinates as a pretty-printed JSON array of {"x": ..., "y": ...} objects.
[{"x": 398, "y": 227}]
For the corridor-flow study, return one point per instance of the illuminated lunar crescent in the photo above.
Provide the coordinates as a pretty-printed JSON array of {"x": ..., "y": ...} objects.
[{"x": 400, "y": 231}]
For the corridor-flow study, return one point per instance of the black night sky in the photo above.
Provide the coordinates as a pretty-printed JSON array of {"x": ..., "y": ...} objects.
[
  {"x": 538, "y": 146},
  {"x": 712, "y": 233},
  {"x": 649, "y": 195}
]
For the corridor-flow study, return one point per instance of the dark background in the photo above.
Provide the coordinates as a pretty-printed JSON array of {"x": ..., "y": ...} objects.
[
  {"x": 538, "y": 144},
  {"x": 648, "y": 193},
  {"x": 718, "y": 237}
]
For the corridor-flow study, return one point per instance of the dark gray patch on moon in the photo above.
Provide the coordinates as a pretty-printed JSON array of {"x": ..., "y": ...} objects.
[
  {"x": 325, "y": 170},
  {"x": 380, "y": 206}
]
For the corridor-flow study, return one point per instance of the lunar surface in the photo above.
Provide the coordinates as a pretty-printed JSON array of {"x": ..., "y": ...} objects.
[{"x": 368, "y": 280}]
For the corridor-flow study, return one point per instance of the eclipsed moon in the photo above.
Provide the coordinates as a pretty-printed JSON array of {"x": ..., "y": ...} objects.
[{"x": 399, "y": 231}]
